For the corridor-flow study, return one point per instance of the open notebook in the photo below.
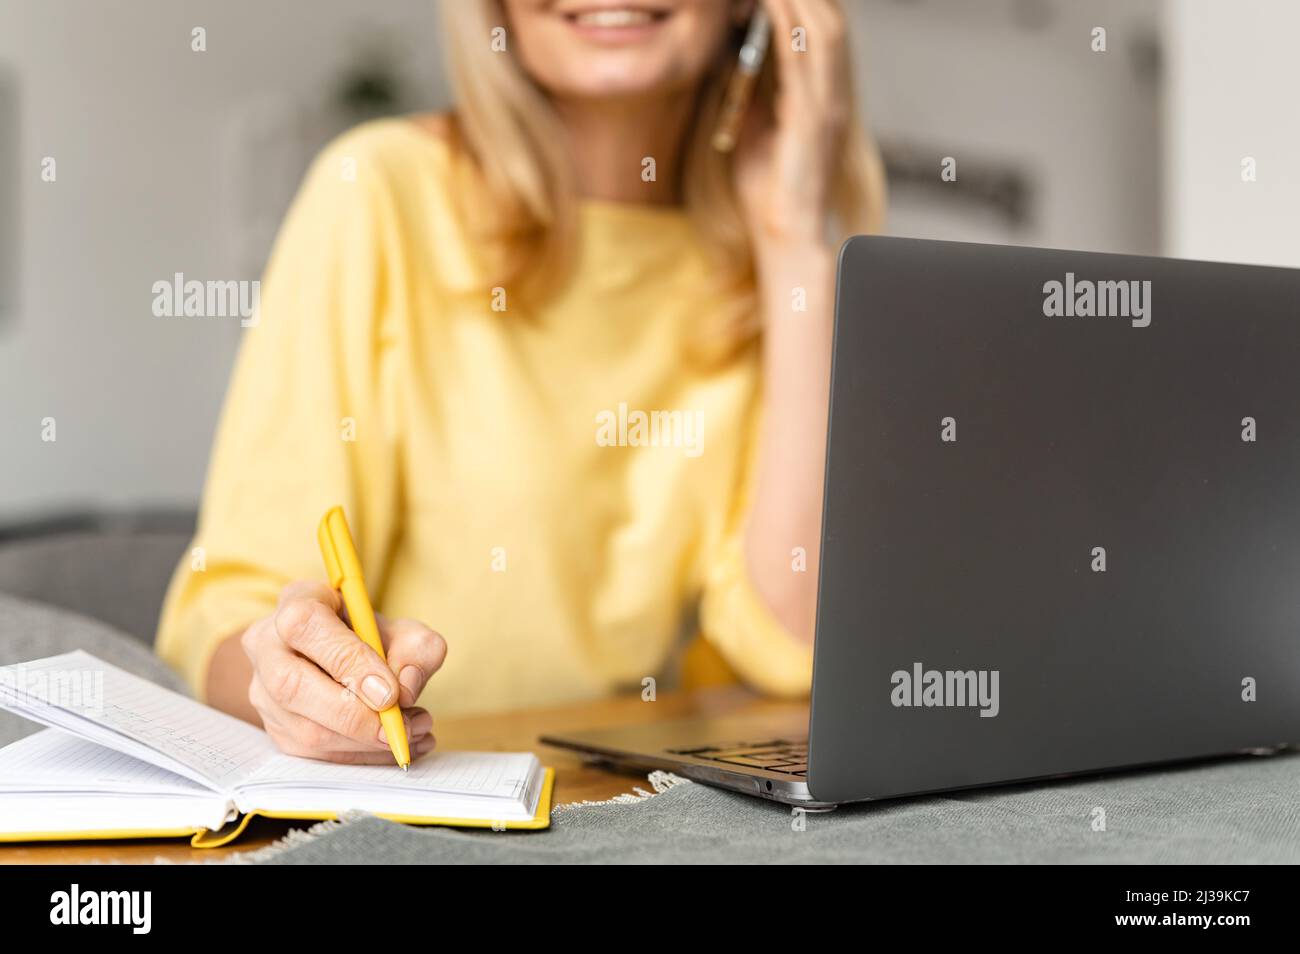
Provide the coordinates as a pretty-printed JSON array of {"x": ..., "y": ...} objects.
[{"x": 128, "y": 759}]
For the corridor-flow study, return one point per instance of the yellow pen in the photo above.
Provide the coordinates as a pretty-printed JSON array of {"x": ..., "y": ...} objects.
[{"x": 344, "y": 572}]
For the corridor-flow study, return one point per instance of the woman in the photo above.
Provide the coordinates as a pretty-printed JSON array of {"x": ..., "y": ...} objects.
[{"x": 521, "y": 345}]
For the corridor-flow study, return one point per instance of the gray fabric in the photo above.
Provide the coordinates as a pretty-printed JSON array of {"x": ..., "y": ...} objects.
[
  {"x": 118, "y": 576},
  {"x": 1241, "y": 810},
  {"x": 1237, "y": 810},
  {"x": 30, "y": 631}
]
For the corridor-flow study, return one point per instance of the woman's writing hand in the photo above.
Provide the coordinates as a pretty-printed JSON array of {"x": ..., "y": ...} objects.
[
  {"x": 786, "y": 165},
  {"x": 318, "y": 688}
]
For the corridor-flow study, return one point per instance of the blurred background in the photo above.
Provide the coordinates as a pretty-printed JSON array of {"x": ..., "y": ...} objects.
[{"x": 168, "y": 158}]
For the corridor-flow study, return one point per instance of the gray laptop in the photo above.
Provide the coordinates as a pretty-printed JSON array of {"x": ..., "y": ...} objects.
[{"x": 1061, "y": 533}]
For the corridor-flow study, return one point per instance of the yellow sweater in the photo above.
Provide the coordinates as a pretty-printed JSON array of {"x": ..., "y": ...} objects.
[{"x": 499, "y": 469}]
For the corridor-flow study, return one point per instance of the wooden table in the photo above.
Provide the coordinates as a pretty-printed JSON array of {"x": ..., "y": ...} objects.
[{"x": 575, "y": 780}]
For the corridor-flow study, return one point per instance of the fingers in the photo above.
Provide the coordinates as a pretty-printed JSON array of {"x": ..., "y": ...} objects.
[
  {"x": 296, "y": 685},
  {"x": 318, "y": 687},
  {"x": 295, "y": 735},
  {"x": 298, "y": 735},
  {"x": 828, "y": 63},
  {"x": 825, "y": 15},
  {"x": 415, "y": 653},
  {"x": 819, "y": 71},
  {"x": 418, "y": 722},
  {"x": 312, "y": 590},
  {"x": 783, "y": 23},
  {"x": 310, "y": 625},
  {"x": 307, "y": 714},
  {"x": 794, "y": 92}
]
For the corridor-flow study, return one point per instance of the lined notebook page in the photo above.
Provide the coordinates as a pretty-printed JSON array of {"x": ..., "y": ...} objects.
[
  {"x": 490, "y": 774},
  {"x": 101, "y": 703},
  {"x": 54, "y": 761}
]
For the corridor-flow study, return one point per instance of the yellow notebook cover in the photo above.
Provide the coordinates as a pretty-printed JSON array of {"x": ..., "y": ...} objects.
[
  {"x": 207, "y": 838},
  {"x": 542, "y": 819}
]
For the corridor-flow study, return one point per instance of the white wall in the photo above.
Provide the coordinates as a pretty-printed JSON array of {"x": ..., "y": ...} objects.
[
  {"x": 1017, "y": 83},
  {"x": 1234, "y": 80},
  {"x": 141, "y": 129}
]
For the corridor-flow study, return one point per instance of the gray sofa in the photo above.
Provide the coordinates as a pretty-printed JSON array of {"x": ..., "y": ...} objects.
[
  {"x": 100, "y": 591},
  {"x": 117, "y": 576}
]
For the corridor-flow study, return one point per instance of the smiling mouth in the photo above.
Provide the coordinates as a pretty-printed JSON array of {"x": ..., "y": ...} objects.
[{"x": 616, "y": 18}]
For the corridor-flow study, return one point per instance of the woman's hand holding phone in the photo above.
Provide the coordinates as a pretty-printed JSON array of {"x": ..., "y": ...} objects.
[
  {"x": 318, "y": 688},
  {"x": 785, "y": 165}
]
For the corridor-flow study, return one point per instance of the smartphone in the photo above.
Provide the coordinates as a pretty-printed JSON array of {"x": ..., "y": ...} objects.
[{"x": 744, "y": 79}]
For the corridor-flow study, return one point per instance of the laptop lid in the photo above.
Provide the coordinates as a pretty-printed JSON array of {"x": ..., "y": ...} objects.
[{"x": 1062, "y": 522}]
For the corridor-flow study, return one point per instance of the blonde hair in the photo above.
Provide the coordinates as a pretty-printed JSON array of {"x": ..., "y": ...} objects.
[{"x": 506, "y": 125}]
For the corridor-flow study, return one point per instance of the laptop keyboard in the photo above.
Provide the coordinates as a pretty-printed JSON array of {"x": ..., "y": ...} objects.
[{"x": 777, "y": 755}]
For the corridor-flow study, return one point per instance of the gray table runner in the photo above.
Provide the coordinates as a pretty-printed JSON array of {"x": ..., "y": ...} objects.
[{"x": 1241, "y": 810}]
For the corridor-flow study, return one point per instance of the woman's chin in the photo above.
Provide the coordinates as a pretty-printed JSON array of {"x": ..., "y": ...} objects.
[{"x": 612, "y": 79}]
